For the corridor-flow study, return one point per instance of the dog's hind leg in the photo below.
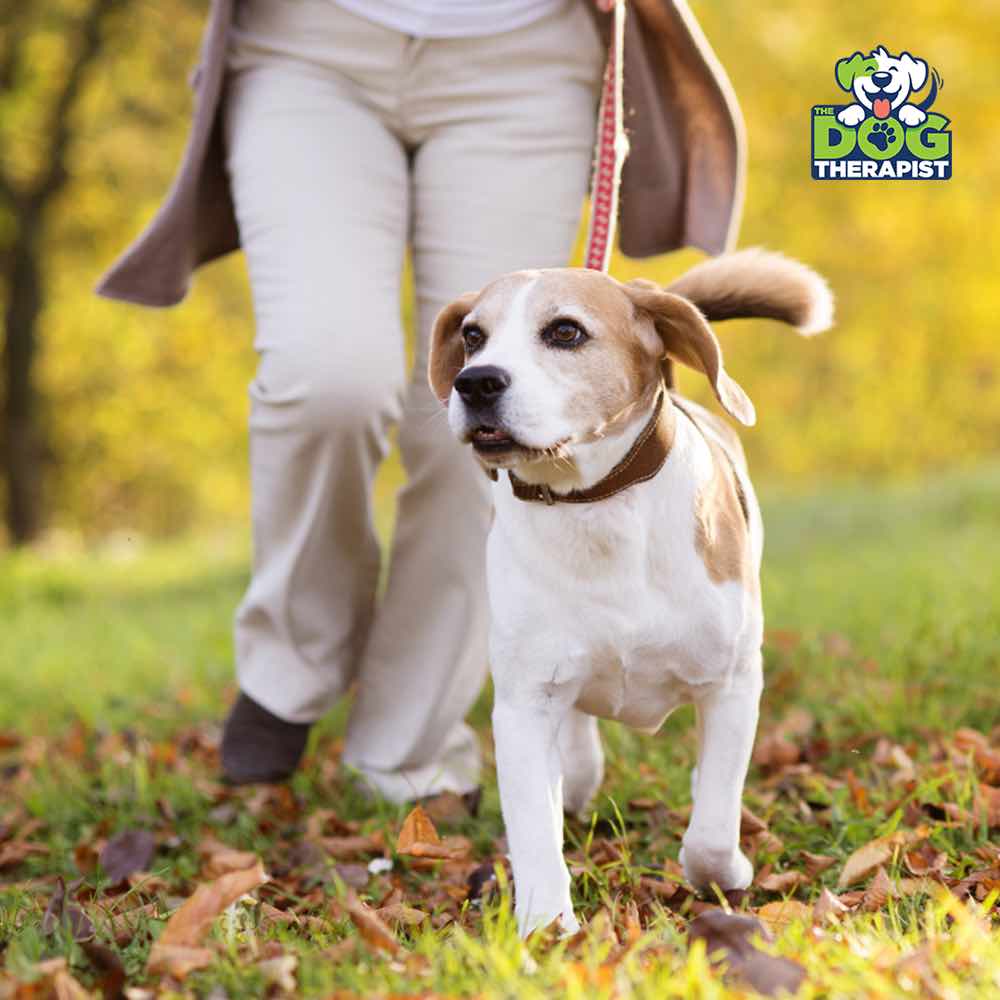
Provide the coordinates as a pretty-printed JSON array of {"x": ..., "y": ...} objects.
[
  {"x": 728, "y": 721},
  {"x": 582, "y": 759}
]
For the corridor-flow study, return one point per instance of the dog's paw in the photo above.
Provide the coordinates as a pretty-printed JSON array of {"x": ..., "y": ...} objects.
[
  {"x": 910, "y": 115},
  {"x": 564, "y": 920},
  {"x": 882, "y": 135},
  {"x": 705, "y": 865},
  {"x": 852, "y": 115}
]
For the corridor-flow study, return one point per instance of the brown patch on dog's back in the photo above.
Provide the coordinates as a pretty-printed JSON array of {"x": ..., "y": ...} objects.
[{"x": 722, "y": 534}]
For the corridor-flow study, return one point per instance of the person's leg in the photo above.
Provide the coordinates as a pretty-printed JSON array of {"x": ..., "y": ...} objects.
[
  {"x": 505, "y": 128},
  {"x": 321, "y": 193}
]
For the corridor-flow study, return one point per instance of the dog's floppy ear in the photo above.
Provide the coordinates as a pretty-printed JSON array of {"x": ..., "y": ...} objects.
[
  {"x": 688, "y": 339},
  {"x": 915, "y": 69},
  {"x": 447, "y": 352},
  {"x": 848, "y": 69}
]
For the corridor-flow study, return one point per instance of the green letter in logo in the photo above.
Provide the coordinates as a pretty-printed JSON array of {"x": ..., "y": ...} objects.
[
  {"x": 929, "y": 141},
  {"x": 830, "y": 139}
]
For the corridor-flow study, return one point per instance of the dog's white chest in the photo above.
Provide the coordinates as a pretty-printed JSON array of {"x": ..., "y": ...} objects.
[
  {"x": 622, "y": 618},
  {"x": 637, "y": 687}
]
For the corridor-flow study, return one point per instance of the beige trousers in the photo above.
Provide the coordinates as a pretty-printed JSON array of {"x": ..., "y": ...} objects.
[{"x": 346, "y": 142}]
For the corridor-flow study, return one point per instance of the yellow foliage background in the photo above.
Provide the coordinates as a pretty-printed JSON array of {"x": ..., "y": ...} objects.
[{"x": 147, "y": 408}]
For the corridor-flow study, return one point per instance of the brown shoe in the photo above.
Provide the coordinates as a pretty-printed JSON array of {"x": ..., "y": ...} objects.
[{"x": 258, "y": 746}]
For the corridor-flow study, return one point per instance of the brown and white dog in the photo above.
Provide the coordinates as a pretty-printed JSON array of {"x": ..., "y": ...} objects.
[{"x": 623, "y": 561}]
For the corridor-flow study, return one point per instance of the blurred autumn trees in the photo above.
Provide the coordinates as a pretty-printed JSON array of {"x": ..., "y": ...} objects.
[
  {"x": 84, "y": 86},
  {"x": 137, "y": 416},
  {"x": 27, "y": 194}
]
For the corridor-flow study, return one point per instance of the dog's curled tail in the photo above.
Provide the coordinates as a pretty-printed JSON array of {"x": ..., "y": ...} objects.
[{"x": 759, "y": 283}]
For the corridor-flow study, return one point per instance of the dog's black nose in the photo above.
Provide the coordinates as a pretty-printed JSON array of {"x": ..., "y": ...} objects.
[
  {"x": 881, "y": 79},
  {"x": 481, "y": 385}
]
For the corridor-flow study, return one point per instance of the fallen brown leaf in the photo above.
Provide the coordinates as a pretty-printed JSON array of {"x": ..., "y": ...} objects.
[
  {"x": 400, "y": 913},
  {"x": 357, "y": 876},
  {"x": 774, "y": 751},
  {"x": 370, "y": 926},
  {"x": 750, "y": 823},
  {"x": 353, "y": 846},
  {"x": 228, "y": 860},
  {"x": 191, "y": 921},
  {"x": 728, "y": 936},
  {"x": 15, "y": 852},
  {"x": 866, "y": 859},
  {"x": 879, "y": 890},
  {"x": 417, "y": 829},
  {"x": 827, "y": 907},
  {"x": 859, "y": 794},
  {"x": 816, "y": 864},
  {"x": 60, "y": 913},
  {"x": 784, "y": 911},
  {"x": 925, "y": 859},
  {"x": 126, "y": 853},
  {"x": 449, "y": 849},
  {"x": 780, "y": 881},
  {"x": 110, "y": 971},
  {"x": 988, "y": 762},
  {"x": 270, "y": 915}
]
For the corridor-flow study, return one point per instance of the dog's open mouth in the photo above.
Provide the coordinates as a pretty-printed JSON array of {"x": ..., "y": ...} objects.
[
  {"x": 882, "y": 104},
  {"x": 492, "y": 441}
]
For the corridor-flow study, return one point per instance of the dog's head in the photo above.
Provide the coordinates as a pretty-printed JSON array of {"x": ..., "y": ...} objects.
[
  {"x": 881, "y": 82},
  {"x": 539, "y": 362}
]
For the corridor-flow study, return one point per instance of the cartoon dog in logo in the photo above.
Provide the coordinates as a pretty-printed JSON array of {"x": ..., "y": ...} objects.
[{"x": 881, "y": 84}]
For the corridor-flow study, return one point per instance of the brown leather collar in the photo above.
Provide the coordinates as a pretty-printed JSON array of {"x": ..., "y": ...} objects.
[{"x": 643, "y": 461}]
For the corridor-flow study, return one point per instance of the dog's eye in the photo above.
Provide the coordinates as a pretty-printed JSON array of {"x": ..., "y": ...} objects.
[
  {"x": 473, "y": 338},
  {"x": 564, "y": 333}
]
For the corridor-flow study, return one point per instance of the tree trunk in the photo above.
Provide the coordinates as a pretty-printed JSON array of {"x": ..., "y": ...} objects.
[
  {"x": 23, "y": 450},
  {"x": 22, "y": 444}
]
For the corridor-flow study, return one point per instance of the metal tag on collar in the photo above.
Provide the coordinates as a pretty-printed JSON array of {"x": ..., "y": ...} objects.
[{"x": 546, "y": 493}]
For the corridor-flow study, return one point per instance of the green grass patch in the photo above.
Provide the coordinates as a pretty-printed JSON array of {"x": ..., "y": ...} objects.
[{"x": 882, "y": 662}]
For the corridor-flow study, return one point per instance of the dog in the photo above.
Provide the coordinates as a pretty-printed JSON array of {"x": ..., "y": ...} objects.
[
  {"x": 624, "y": 554},
  {"x": 882, "y": 83}
]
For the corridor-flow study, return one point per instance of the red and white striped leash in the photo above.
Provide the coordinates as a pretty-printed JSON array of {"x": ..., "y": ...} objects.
[{"x": 610, "y": 150}]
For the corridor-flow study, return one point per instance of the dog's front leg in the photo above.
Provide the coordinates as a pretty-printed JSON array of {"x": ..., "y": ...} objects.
[
  {"x": 528, "y": 771},
  {"x": 727, "y": 724}
]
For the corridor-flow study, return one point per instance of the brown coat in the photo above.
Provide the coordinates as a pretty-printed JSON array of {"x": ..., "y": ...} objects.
[{"x": 682, "y": 184}]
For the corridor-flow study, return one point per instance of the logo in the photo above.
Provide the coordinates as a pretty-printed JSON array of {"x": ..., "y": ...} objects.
[{"x": 887, "y": 132}]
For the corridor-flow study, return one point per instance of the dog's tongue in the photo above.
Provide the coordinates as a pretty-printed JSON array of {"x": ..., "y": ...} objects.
[{"x": 881, "y": 107}]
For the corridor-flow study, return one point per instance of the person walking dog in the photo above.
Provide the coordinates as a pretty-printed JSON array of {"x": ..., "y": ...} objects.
[{"x": 328, "y": 137}]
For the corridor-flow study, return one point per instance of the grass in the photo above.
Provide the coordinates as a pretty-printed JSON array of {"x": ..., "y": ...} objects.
[{"x": 882, "y": 653}]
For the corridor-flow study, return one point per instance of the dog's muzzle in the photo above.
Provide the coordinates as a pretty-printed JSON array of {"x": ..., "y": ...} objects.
[{"x": 481, "y": 388}]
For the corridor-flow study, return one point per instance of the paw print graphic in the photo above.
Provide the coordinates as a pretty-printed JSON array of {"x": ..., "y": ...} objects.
[{"x": 882, "y": 134}]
